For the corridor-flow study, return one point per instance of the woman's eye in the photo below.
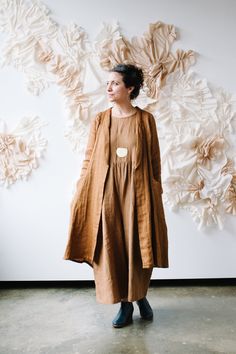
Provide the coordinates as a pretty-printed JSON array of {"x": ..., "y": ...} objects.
[{"x": 113, "y": 83}]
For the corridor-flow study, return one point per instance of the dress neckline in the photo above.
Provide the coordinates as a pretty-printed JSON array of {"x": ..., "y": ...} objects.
[{"x": 130, "y": 115}]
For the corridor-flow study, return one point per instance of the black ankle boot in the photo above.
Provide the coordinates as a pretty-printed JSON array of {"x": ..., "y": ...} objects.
[
  {"x": 124, "y": 316},
  {"x": 145, "y": 309}
]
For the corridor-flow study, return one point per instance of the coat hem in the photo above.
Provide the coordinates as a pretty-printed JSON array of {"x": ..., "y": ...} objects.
[
  {"x": 155, "y": 266},
  {"x": 79, "y": 260}
]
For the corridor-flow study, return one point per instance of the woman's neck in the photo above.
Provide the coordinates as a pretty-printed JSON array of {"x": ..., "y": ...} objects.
[{"x": 122, "y": 109}]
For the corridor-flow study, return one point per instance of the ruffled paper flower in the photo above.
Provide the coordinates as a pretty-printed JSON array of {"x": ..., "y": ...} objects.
[
  {"x": 20, "y": 150},
  {"x": 111, "y": 47},
  {"x": 26, "y": 23},
  {"x": 210, "y": 149},
  {"x": 194, "y": 164},
  {"x": 181, "y": 191},
  {"x": 186, "y": 99},
  {"x": 7, "y": 144},
  {"x": 207, "y": 214},
  {"x": 230, "y": 197},
  {"x": 152, "y": 52},
  {"x": 181, "y": 60},
  {"x": 226, "y": 111}
]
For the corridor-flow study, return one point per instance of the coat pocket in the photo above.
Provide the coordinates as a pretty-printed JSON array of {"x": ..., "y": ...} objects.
[{"x": 79, "y": 201}]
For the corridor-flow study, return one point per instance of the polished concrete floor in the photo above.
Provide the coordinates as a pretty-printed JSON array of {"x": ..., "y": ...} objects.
[{"x": 187, "y": 320}]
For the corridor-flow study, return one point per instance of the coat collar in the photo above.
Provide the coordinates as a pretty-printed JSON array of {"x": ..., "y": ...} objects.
[{"x": 107, "y": 125}]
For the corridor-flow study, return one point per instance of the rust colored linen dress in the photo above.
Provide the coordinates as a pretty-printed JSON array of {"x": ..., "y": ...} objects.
[{"x": 118, "y": 271}]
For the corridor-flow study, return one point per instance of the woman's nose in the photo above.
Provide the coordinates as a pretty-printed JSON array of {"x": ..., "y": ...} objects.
[{"x": 108, "y": 87}]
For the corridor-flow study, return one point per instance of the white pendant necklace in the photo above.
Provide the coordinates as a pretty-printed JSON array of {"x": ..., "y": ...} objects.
[{"x": 121, "y": 151}]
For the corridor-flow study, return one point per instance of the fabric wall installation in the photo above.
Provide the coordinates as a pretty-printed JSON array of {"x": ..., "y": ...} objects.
[
  {"x": 20, "y": 150},
  {"x": 196, "y": 122}
]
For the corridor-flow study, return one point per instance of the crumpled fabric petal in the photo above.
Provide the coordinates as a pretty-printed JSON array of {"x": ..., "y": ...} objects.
[{"x": 20, "y": 150}]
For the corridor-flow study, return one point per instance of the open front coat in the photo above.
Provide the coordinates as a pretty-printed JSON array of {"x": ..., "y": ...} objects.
[{"x": 86, "y": 205}]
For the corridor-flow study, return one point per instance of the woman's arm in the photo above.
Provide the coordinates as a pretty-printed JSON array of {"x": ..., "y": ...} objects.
[{"x": 155, "y": 152}]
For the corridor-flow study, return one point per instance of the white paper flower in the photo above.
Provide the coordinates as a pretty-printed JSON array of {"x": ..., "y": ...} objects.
[
  {"x": 20, "y": 150},
  {"x": 186, "y": 99}
]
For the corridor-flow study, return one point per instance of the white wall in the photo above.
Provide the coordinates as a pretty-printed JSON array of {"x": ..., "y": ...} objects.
[{"x": 35, "y": 214}]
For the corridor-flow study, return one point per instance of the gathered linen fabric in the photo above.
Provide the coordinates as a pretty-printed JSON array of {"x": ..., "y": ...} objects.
[{"x": 117, "y": 266}]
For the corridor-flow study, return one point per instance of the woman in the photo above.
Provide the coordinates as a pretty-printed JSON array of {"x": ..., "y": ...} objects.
[{"x": 117, "y": 220}]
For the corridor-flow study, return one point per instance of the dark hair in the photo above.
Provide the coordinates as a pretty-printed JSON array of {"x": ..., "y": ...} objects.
[{"x": 132, "y": 76}]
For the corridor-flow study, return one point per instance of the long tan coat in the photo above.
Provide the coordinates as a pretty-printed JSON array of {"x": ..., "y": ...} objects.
[{"x": 87, "y": 203}]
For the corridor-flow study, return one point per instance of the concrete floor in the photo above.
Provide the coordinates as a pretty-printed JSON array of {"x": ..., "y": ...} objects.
[{"x": 186, "y": 320}]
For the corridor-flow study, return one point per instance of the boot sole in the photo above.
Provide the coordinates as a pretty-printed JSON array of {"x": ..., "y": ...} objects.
[
  {"x": 150, "y": 318},
  {"x": 122, "y": 325}
]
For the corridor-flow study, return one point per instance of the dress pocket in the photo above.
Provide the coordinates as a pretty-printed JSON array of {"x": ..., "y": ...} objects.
[
  {"x": 79, "y": 202},
  {"x": 157, "y": 184}
]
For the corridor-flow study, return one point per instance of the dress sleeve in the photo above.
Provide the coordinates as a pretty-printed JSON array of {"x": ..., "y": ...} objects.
[
  {"x": 90, "y": 144},
  {"x": 155, "y": 152}
]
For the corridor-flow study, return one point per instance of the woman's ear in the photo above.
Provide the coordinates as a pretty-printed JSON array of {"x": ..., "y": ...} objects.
[{"x": 131, "y": 88}]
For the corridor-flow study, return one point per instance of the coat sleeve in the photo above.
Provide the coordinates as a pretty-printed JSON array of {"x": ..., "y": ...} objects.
[
  {"x": 155, "y": 152},
  {"x": 90, "y": 144}
]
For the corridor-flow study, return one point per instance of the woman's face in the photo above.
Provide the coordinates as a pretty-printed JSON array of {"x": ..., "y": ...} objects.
[{"x": 116, "y": 90}]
